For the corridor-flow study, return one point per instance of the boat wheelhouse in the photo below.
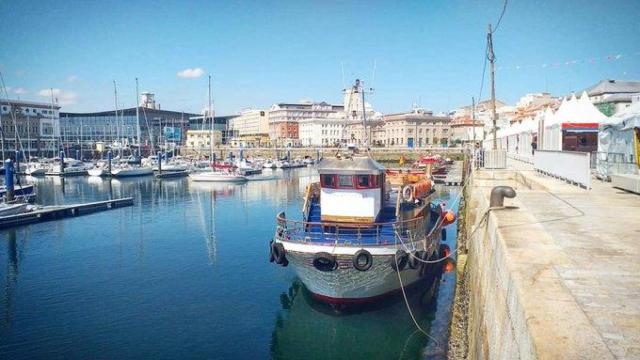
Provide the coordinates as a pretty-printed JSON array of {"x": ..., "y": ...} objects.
[{"x": 351, "y": 190}]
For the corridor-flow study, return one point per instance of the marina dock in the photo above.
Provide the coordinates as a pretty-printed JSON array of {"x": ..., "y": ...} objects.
[
  {"x": 554, "y": 274},
  {"x": 62, "y": 211}
]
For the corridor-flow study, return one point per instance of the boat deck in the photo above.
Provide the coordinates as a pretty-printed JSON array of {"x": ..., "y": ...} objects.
[{"x": 383, "y": 232}]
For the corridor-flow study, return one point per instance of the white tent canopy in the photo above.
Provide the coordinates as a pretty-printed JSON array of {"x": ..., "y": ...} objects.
[{"x": 617, "y": 143}]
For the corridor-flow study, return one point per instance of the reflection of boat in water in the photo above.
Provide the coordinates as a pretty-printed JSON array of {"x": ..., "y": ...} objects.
[
  {"x": 218, "y": 176},
  {"x": 306, "y": 329}
]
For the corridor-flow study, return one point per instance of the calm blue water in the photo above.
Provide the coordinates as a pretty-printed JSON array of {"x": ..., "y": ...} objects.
[{"x": 185, "y": 274}]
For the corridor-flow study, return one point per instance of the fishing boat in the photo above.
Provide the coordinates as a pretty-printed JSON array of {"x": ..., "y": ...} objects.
[{"x": 361, "y": 238}]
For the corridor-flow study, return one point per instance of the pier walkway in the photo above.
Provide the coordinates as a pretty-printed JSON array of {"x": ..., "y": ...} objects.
[{"x": 556, "y": 277}]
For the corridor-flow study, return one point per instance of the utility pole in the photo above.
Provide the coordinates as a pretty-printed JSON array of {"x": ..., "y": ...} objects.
[
  {"x": 492, "y": 58},
  {"x": 473, "y": 119}
]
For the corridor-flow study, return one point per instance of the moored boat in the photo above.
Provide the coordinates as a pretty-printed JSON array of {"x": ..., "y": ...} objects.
[
  {"x": 130, "y": 171},
  {"x": 359, "y": 233}
]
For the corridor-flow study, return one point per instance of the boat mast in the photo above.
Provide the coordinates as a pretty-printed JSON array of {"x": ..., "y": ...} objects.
[
  {"x": 115, "y": 96},
  {"x": 138, "y": 116},
  {"x": 211, "y": 134},
  {"x": 54, "y": 135}
]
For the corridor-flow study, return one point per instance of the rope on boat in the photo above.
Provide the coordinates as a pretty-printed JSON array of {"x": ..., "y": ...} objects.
[
  {"x": 455, "y": 251},
  {"x": 406, "y": 301}
]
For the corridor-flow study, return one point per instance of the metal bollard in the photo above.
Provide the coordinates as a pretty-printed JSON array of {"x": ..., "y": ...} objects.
[{"x": 498, "y": 194}]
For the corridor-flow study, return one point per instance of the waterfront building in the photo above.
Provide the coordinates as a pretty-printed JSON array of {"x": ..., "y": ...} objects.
[
  {"x": 464, "y": 130},
  {"x": 30, "y": 127},
  {"x": 199, "y": 141},
  {"x": 250, "y": 129},
  {"x": 220, "y": 123},
  {"x": 327, "y": 132},
  {"x": 613, "y": 96},
  {"x": 284, "y": 119},
  {"x": 355, "y": 131},
  {"x": 155, "y": 127},
  {"x": 417, "y": 128}
]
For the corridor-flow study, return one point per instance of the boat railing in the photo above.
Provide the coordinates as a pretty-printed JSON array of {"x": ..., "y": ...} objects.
[
  {"x": 311, "y": 191},
  {"x": 352, "y": 234}
]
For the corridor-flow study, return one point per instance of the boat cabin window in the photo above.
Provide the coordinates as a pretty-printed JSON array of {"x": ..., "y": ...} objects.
[
  {"x": 363, "y": 181},
  {"x": 328, "y": 181},
  {"x": 345, "y": 181},
  {"x": 350, "y": 182}
]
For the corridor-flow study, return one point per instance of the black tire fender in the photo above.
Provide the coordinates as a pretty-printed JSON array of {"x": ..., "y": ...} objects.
[
  {"x": 362, "y": 254},
  {"x": 414, "y": 259},
  {"x": 324, "y": 261},
  {"x": 279, "y": 253},
  {"x": 399, "y": 262}
]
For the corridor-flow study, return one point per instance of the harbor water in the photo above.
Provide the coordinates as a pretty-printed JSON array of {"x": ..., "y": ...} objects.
[{"x": 184, "y": 273}]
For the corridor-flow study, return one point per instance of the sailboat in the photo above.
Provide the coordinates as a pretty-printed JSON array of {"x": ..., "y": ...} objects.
[
  {"x": 361, "y": 237},
  {"x": 214, "y": 175},
  {"x": 129, "y": 169}
]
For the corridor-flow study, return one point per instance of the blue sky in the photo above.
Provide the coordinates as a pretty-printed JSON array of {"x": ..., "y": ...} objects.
[{"x": 262, "y": 52}]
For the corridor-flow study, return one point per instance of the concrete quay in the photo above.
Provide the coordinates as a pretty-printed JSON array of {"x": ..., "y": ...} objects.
[{"x": 554, "y": 275}]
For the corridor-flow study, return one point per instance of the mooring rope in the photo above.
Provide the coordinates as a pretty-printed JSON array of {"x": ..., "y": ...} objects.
[{"x": 406, "y": 301}]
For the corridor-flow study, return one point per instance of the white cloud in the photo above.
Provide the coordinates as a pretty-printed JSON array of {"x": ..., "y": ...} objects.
[
  {"x": 191, "y": 73},
  {"x": 64, "y": 97},
  {"x": 72, "y": 78},
  {"x": 16, "y": 91}
]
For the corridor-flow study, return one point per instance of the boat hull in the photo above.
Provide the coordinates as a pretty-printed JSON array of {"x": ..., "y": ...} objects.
[
  {"x": 132, "y": 172},
  {"x": 346, "y": 285},
  {"x": 98, "y": 172}
]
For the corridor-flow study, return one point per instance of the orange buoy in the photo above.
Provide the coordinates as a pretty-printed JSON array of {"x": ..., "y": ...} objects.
[
  {"x": 449, "y": 266},
  {"x": 448, "y": 217}
]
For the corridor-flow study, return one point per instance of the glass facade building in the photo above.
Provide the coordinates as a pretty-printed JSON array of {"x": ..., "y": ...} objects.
[{"x": 106, "y": 127}]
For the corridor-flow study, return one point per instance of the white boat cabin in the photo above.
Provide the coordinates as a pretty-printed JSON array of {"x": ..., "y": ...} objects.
[{"x": 351, "y": 189}]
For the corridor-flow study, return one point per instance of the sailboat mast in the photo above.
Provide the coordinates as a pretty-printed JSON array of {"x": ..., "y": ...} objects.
[
  {"x": 54, "y": 134},
  {"x": 138, "y": 116},
  {"x": 211, "y": 133},
  {"x": 115, "y": 96}
]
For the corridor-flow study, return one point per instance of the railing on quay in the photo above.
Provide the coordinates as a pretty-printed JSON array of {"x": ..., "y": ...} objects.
[
  {"x": 344, "y": 234},
  {"x": 571, "y": 166},
  {"x": 489, "y": 159}
]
